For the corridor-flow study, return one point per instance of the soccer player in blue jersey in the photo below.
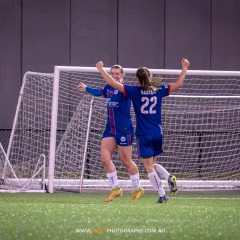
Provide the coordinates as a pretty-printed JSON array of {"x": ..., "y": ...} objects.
[
  {"x": 147, "y": 99},
  {"x": 118, "y": 133}
]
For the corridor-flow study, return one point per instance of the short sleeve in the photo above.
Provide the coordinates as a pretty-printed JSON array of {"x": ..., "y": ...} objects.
[
  {"x": 164, "y": 90},
  {"x": 104, "y": 91},
  {"x": 128, "y": 91}
]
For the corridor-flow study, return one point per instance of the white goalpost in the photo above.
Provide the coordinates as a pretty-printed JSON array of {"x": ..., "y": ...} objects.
[
  {"x": 23, "y": 167},
  {"x": 201, "y": 124}
]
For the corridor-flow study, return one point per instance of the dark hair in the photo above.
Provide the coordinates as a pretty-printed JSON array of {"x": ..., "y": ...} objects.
[
  {"x": 145, "y": 79},
  {"x": 116, "y": 66}
]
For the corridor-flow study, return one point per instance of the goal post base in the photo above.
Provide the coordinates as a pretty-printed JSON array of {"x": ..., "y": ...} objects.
[
  {"x": 101, "y": 186},
  {"x": 183, "y": 185},
  {"x": 11, "y": 185}
]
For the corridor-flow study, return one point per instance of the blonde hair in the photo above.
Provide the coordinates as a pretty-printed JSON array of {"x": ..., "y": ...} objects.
[{"x": 116, "y": 66}]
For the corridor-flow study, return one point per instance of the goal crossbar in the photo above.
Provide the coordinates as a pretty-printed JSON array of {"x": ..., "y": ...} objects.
[{"x": 153, "y": 71}]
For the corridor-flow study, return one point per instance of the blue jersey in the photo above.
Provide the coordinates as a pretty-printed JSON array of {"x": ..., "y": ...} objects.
[
  {"x": 147, "y": 106},
  {"x": 118, "y": 112}
]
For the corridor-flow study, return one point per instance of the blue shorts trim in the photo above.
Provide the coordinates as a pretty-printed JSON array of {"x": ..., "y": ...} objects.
[{"x": 149, "y": 146}]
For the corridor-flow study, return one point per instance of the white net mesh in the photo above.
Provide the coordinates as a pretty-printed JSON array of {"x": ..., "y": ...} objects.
[
  {"x": 31, "y": 131},
  {"x": 202, "y": 137},
  {"x": 201, "y": 124}
]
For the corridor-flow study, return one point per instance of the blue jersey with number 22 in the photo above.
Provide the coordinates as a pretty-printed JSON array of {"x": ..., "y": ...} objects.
[{"x": 147, "y": 107}]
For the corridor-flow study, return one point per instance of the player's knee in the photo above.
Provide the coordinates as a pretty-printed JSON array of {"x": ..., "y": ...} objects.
[
  {"x": 125, "y": 163},
  {"x": 128, "y": 163},
  {"x": 105, "y": 157}
]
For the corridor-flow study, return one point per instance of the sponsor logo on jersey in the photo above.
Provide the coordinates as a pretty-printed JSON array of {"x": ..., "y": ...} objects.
[
  {"x": 165, "y": 85},
  {"x": 112, "y": 104},
  {"x": 123, "y": 139}
]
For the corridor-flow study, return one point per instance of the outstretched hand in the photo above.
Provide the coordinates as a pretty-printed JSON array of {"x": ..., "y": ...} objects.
[
  {"x": 185, "y": 64},
  {"x": 81, "y": 87},
  {"x": 99, "y": 65}
]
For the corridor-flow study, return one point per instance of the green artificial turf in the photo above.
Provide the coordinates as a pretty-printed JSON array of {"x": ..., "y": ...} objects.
[{"x": 85, "y": 216}]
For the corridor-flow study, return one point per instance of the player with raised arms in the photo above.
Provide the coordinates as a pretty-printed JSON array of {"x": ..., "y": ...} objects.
[
  {"x": 147, "y": 100},
  {"x": 118, "y": 133}
]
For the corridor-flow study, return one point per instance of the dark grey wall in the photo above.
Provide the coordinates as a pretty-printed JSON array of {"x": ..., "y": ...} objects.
[
  {"x": 188, "y": 33},
  {"x": 141, "y": 33},
  {"x": 94, "y": 26},
  {"x": 35, "y": 35},
  {"x": 225, "y": 35},
  {"x": 45, "y": 34},
  {"x": 10, "y": 60}
]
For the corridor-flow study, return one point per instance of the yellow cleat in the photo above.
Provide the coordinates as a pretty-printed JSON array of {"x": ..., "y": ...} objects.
[
  {"x": 137, "y": 194},
  {"x": 172, "y": 183},
  {"x": 114, "y": 193}
]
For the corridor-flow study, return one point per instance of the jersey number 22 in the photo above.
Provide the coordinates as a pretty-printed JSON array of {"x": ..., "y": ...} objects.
[{"x": 148, "y": 105}]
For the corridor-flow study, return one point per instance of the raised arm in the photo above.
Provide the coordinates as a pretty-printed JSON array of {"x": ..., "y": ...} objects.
[
  {"x": 108, "y": 78},
  {"x": 94, "y": 91},
  {"x": 179, "y": 82}
]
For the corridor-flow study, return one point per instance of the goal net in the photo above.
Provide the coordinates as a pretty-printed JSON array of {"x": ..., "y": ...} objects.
[{"x": 201, "y": 124}]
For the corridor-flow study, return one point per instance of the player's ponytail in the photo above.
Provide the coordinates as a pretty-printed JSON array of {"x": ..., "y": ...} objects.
[{"x": 144, "y": 78}]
